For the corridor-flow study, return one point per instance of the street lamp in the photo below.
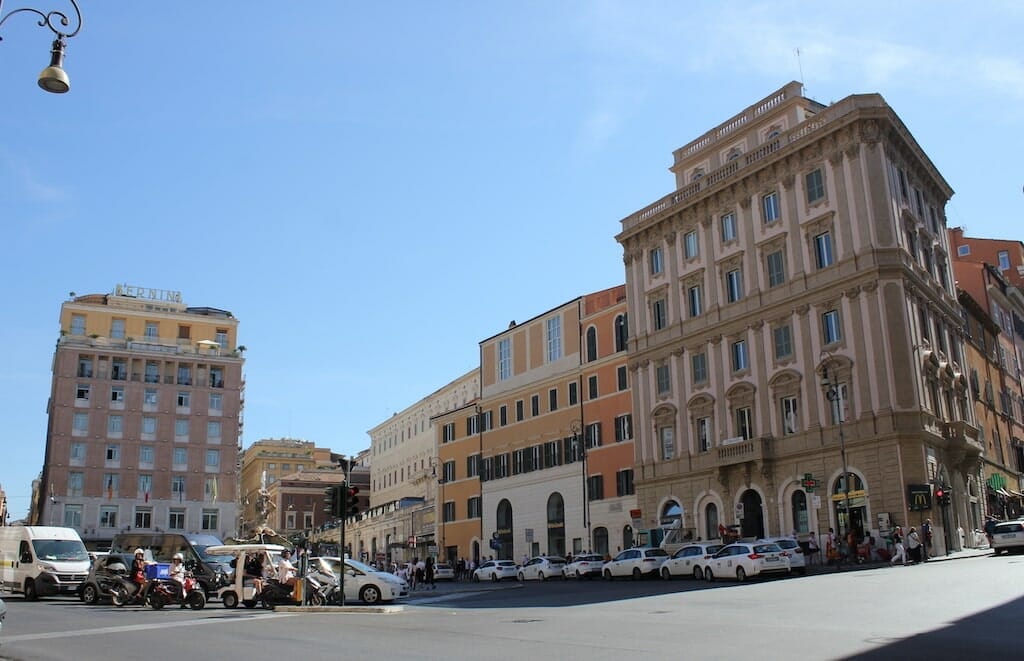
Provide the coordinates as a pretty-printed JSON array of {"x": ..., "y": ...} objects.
[
  {"x": 580, "y": 443},
  {"x": 53, "y": 78},
  {"x": 444, "y": 549},
  {"x": 835, "y": 395}
]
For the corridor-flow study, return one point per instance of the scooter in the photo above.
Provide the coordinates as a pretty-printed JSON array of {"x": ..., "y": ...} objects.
[
  {"x": 163, "y": 591},
  {"x": 276, "y": 593},
  {"x": 126, "y": 592}
]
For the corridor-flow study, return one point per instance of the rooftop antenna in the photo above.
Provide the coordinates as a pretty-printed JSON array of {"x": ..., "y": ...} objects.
[{"x": 800, "y": 66}]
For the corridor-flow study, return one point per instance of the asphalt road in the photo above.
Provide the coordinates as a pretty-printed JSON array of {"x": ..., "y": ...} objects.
[{"x": 965, "y": 608}]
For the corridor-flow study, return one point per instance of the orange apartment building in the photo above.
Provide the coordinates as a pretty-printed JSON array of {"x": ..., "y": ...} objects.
[{"x": 549, "y": 442}]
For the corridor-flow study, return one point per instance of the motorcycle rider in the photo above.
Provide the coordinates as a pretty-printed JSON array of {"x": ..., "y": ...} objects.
[
  {"x": 138, "y": 573},
  {"x": 176, "y": 573},
  {"x": 286, "y": 570}
]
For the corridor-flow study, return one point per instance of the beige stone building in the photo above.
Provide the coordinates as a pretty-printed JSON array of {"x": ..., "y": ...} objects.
[
  {"x": 145, "y": 417},
  {"x": 268, "y": 460},
  {"x": 792, "y": 299}
]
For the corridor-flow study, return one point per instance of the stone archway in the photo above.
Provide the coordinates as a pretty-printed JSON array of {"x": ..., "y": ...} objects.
[{"x": 752, "y": 523}]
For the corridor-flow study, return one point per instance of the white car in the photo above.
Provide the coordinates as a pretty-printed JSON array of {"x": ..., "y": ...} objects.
[
  {"x": 745, "y": 559},
  {"x": 495, "y": 570},
  {"x": 635, "y": 563},
  {"x": 588, "y": 564},
  {"x": 797, "y": 561},
  {"x": 1007, "y": 536},
  {"x": 363, "y": 582},
  {"x": 3, "y": 613},
  {"x": 444, "y": 572},
  {"x": 542, "y": 568},
  {"x": 689, "y": 560}
]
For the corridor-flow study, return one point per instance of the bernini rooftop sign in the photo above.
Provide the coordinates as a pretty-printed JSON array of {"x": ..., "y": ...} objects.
[{"x": 132, "y": 291}]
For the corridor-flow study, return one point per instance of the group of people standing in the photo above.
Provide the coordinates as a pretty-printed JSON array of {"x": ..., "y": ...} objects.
[{"x": 419, "y": 574}]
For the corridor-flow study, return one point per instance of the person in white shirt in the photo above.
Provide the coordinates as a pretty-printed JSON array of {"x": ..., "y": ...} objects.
[
  {"x": 176, "y": 572},
  {"x": 285, "y": 569}
]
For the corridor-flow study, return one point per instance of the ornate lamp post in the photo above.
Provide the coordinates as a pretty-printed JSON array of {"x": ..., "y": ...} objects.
[
  {"x": 53, "y": 78},
  {"x": 835, "y": 395}
]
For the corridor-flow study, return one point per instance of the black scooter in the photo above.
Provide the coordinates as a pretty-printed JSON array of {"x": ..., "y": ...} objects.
[{"x": 276, "y": 593}]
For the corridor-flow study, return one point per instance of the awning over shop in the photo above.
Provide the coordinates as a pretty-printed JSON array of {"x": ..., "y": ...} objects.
[{"x": 1003, "y": 492}]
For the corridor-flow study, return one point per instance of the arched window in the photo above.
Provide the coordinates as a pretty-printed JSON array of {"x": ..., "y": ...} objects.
[
  {"x": 591, "y": 344},
  {"x": 799, "y": 503},
  {"x": 556, "y": 524},
  {"x": 672, "y": 512},
  {"x": 711, "y": 521},
  {"x": 621, "y": 333},
  {"x": 600, "y": 540}
]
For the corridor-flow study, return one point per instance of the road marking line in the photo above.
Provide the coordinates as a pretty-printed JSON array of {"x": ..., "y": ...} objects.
[{"x": 137, "y": 627}]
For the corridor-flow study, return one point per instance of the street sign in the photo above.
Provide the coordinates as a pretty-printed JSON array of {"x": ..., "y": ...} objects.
[
  {"x": 739, "y": 511},
  {"x": 919, "y": 497},
  {"x": 495, "y": 544}
]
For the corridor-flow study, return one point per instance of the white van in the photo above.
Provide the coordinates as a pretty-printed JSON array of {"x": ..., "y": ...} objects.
[{"x": 42, "y": 560}]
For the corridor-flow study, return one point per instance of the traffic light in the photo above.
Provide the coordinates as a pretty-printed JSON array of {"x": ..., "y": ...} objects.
[
  {"x": 332, "y": 500},
  {"x": 942, "y": 495},
  {"x": 946, "y": 495},
  {"x": 352, "y": 504}
]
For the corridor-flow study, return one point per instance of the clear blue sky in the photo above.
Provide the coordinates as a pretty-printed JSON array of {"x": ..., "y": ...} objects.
[{"x": 373, "y": 188}]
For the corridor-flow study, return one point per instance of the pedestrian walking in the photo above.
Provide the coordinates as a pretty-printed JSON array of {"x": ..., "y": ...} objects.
[
  {"x": 812, "y": 548},
  {"x": 926, "y": 532},
  {"x": 831, "y": 547},
  {"x": 428, "y": 575},
  {"x": 900, "y": 552},
  {"x": 914, "y": 546},
  {"x": 460, "y": 569},
  {"x": 413, "y": 578}
]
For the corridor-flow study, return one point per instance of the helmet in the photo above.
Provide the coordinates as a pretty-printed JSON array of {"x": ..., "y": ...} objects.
[
  {"x": 117, "y": 568},
  {"x": 139, "y": 552},
  {"x": 178, "y": 556}
]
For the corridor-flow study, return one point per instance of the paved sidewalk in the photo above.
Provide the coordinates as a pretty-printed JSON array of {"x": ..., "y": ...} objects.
[{"x": 848, "y": 566}]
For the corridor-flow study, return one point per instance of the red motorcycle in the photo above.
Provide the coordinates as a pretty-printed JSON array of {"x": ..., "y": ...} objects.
[{"x": 164, "y": 591}]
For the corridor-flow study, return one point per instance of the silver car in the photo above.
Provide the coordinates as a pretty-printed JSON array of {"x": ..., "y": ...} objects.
[{"x": 1007, "y": 536}]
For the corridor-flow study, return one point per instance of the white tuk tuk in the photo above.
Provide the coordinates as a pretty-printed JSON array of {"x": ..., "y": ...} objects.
[{"x": 241, "y": 588}]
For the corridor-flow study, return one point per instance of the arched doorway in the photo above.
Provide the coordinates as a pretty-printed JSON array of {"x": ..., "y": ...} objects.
[
  {"x": 476, "y": 553},
  {"x": 672, "y": 515},
  {"x": 752, "y": 523},
  {"x": 798, "y": 509},
  {"x": 711, "y": 521},
  {"x": 627, "y": 536},
  {"x": 556, "y": 524},
  {"x": 504, "y": 531},
  {"x": 600, "y": 540},
  {"x": 858, "y": 514}
]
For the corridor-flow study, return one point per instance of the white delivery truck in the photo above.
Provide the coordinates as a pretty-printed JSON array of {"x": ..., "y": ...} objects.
[{"x": 42, "y": 560}]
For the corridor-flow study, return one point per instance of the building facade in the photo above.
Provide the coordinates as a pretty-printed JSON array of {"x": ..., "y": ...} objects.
[
  {"x": 264, "y": 463},
  {"x": 145, "y": 417},
  {"x": 795, "y": 337}
]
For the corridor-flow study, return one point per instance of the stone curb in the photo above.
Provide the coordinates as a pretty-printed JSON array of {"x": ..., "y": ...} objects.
[{"x": 382, "y": 610}]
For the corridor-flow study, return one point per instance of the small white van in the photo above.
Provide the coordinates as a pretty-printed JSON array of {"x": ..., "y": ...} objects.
[{"x": 42, "y": 560}]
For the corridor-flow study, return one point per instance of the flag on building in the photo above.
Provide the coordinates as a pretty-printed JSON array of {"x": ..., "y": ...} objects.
[{"x": 110, "y": 488}]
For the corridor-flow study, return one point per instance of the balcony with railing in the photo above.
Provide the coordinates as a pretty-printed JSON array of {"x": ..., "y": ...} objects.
[
  {"x": 148, "y": 345},
  {"x": 734, "y": 451}
]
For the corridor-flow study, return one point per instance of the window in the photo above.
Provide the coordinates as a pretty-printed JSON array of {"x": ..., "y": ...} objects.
[
  {"x": 744, "y": 423},
  {"x": 117, "y": 395},
  {"x": 963, "y": 251},
  {"x": 184, "y": 375},
  {"x": 184, "y": 332},
  {"x": 574, "y": 393},
  {"x": 114, "y": 424},
  {"x": 703, "y": 433},
  {"x": 659, "y": 314},
  {"x": 656, "y": 261},
  {"x": 113, "y": 452},
  {"x": 668, "y": 446},
  {"x": 108, "y": 516},
  {"x": 624, "y": 427},
  {"x": 624, "y": 483},
  {"x": 144, "y": 517},
  {"x": 176, "y": 519},
  {"x": 216, "y": 377},
  {"x": 448, "y": 512},
  {"x": 152, "y": 373},
  {"x": 181, "y": 428},
  {"x": 111, "y": 485},
  {"x": 178, "y": 486},
  {"x": 815, "y": 184},
  {"x": 152, "y": 329},
  {"x": 221, "y": 338},
  {"x": 534, "y": 405},
  {"x": 85, "y": 368},
  {"x": 776, "y": 264},
  {"x": 699, "y": 367},
  {"x": 448, "y": 432},
  {"x": 213, "y": 430},
  {"x": 734, "y": 285},
  {"x": 591, "y": 344},
  {"x": 474, "y": 508},
  {"x": 1004, "y": 260},
  {"x": 184, "y": 400},
  {"x": 150, "y": 397},
  {"x": 621, "y": 333},
  {"x": 783, "y": 336},
  {"x": 728, "y": 227},
  {"x": 213, "y": 459},
  {"x": 501, "y": 465},
  {"x": 209, "y": 519},
  {"x": 620, "y": 374},
  {"x": 448, "y": 471},
  {"x": 216, "y": 402},
  {"x": 739, "y": 356},
  {"x": 595, "y": 487},
  {"x": 77, "y": 452},
  {"x": 694, "y": 301},
  {"x": 592, "y": 387},
  {"x": 72, "y": 516},
  {"x": 823, "y": 250},
  {"x": 82, "y": 391},
  {"x": 552, "y": 454},
  {"x": 145, "y": 486},
  {"x": 76, "y": 481},
  {"x": 119, "y": 370},
  {"x": 473, "y": 465},
  {"x": 554, "y": 325},
  {"x": 78, "y": 324},
  {"x": 80, "y": 424},
  {"x": 770, "y": 207},
  {"x": 487, "y": 421},
  {"x": 690, "y": 245},
  {"x": 664, "y": 379},
  {"x": 592, "y": 435},
  {"x": 504, "y": 358},
  {"x": 789, "y": 415},
  {"x": 837, "y": 400},
  {"x": 519, "y": 410},
  {"x": 117, "y": 329},
  {"x": 553, "y": 399},
  {"x": 146, "y": 454},
  {"x": 831, "y": 330}
]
